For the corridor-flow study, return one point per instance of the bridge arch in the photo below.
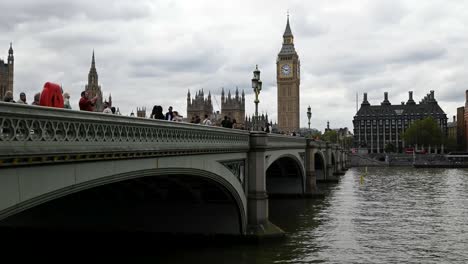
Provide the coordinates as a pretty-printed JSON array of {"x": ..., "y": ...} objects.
[
  {"x": 285, "y": 175},
  {"x": 195, "y": 190}
]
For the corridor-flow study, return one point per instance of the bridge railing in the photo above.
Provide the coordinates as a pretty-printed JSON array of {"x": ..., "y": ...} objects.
[
  {"x": 277, "y": 141},
  {"x": 33, "y": 134}
]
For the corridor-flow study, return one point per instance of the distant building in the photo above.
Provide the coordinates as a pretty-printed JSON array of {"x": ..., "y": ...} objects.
[
  {"x": 375, "y": 126},
  {"x": 141, "y": 112},
  {"x": 93, "y": 88},
  {"x": 249, "y": 122},
  {"x": 342, "y": 133},
  {"x": 7, "y": 74},
  {"x": 461, "y": 129},
  {"x": 465, "y": 118},
  {"x": 452, "y": 128},
  {"x": 233, "y": 107},
  {"x": 199, "y": 106}
]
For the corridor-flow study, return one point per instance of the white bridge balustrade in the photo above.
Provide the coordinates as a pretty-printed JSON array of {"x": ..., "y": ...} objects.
[{"x": 49, "y": 155}]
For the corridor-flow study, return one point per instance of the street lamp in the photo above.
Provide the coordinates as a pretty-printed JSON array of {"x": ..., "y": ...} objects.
[
  {"x": 257, "y": 87},
  {"x": 309, "y": 115}
]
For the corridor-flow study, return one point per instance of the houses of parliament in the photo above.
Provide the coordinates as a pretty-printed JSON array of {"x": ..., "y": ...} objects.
[
  {"x": 288, "y": 82},
  {"x": 7, "y": 74}
]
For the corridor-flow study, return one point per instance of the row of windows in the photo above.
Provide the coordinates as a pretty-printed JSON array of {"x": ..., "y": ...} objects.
[{"x": 399, "y": 121}]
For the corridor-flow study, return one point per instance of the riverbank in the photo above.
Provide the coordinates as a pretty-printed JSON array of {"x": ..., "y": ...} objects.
[{"x": 400, "y": 160}]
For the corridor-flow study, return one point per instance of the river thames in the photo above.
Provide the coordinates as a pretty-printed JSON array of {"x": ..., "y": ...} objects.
[{"x": 393, "y": 215}]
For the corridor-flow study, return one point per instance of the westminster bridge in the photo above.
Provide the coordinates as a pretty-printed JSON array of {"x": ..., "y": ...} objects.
[{"x": 63, "y": 168}]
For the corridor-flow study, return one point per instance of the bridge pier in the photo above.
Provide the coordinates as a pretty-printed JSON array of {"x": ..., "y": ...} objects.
[
  {"x": 311, "y": 176},
  {"x": 259, "y": 225}
]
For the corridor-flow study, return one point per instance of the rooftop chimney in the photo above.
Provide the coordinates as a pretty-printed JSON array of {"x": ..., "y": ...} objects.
[
  {"x": 385, "y": 101},
  {"x": 410, "y": 99},
  {"x": 365, "y": 102}
]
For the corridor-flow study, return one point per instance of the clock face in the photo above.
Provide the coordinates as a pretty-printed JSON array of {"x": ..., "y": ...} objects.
[{"x": 285, "y": 69}]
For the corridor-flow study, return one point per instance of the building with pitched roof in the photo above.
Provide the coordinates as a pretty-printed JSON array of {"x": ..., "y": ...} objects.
[{"x": 375, "y": 126}]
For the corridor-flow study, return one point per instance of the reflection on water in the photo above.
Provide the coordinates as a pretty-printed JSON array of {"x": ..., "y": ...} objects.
[{"x": 396, "y": 215}]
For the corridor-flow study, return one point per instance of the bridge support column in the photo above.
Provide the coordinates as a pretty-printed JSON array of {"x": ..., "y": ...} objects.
[
  {"x": 259, "y": 225},
  {"x": 311, "y": 178},
  {"x": 330, "y": 173}
]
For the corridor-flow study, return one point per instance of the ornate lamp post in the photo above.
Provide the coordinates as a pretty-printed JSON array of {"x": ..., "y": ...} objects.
[
  {"x": 257, "y": 87},
  {"x": 309, "y": 115}
]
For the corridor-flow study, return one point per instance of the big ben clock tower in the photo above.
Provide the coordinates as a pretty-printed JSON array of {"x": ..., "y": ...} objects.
[{"x": 288, "y": 79}]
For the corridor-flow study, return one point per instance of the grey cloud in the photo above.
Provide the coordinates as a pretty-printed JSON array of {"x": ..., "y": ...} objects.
[
  {"x": 31, "y": 11},
  {"x": 421, "y": 54}
]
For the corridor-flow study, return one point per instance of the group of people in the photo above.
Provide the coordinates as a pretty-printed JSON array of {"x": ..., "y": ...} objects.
[
  {"x": 170, "y": 115},
  {"x": 52, "y": 95}
]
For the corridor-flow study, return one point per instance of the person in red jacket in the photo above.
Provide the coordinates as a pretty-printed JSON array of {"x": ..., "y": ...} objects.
[
  {"x": 51, "y": 95},
  {"x": 87, "y": 104}
]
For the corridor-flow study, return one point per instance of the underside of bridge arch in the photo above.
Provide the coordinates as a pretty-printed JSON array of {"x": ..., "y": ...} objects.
[
  {"x": 319, "y": 166},
  {"x": 165, "y": 204},
  {"x": 284, "y": 176}
]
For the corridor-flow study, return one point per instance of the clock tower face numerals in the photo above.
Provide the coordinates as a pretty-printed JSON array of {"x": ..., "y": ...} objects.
[{"x": 285, "y": 69}]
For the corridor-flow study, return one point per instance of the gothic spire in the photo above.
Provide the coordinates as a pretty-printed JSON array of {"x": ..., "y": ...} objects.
[
  {"x": 287, "y": 31},
  {"x": 93, "y": 62},
  {"x": 10, "y": 51}
]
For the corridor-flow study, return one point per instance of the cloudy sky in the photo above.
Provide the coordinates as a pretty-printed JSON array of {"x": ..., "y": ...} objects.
[{"x": 152, "y": 52}]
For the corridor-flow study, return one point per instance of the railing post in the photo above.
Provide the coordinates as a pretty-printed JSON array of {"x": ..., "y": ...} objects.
[
  {"x": 257, "y": 209},
  {"x": 311, "y": 177}
]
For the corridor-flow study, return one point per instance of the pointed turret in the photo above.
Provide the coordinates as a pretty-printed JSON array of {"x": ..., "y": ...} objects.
[
  {"x": 288, "y": 41},
  {"x": 222, "y": 94},
  {"x": 10, "y": 54},
  {"x": 209, "y": 97},
  {"x": 237, "y": 93},
  {"x": 287, "y": 31},
  {"x": 229, "y": 95}
]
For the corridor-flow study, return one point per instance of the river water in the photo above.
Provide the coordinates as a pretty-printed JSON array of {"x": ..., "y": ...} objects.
[{"x": 393, "y": 215}]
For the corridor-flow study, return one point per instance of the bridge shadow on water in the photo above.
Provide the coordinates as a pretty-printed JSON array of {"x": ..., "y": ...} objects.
[{"x": 99, "y": 220}]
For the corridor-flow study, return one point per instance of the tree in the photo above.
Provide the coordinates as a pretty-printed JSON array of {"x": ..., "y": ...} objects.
[
  {"x": 423, "y": 132},
  {"x": 389, "y": 148},
  {"x": 330, "y": 136},
  {"x": 314, "y": 133}
]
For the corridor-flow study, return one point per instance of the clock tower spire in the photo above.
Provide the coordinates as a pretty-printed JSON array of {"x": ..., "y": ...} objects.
[{"x": 288, "y": 81}]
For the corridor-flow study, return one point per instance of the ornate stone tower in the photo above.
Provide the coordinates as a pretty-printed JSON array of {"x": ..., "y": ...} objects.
[
  {"x": 199, "y": 106},
  {"x": 7, "y": 74},
  {"x": 93, "y": 87},
  {"x": 233, "y": 107},
  {"x": 288, "y": 79},
  {"x": 141, "y": 112}
]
